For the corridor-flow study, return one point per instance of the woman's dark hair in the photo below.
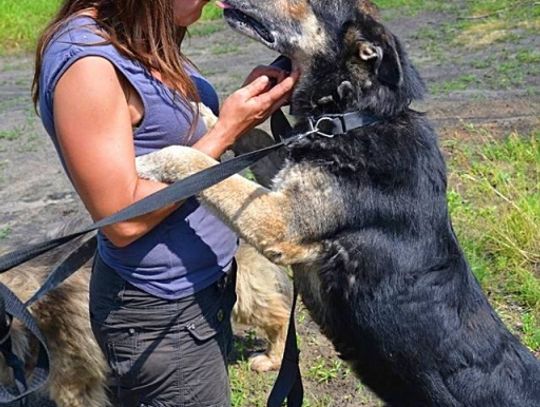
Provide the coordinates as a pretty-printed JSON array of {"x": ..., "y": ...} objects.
[{"x": 143, "y": 30}]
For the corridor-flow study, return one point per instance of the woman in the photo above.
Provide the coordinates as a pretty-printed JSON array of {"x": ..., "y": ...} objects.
[{"x": 112, "y": 84}]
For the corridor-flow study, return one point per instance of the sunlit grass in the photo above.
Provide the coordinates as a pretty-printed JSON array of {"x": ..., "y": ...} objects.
[
  {"x": 21, "y": 22},
  {"x": 494, "y": 198}
]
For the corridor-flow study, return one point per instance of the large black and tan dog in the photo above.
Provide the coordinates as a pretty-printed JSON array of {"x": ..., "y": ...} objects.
[{"x": 362, "y": 218}]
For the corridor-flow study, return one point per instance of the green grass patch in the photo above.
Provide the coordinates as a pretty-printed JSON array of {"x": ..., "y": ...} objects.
[
  {"x": 413, "y": 7},
  {"x": 205, "y": 28},
  {"x": 211, "y": 12},
  {"x": 221, "y": 49},
  {"x": 515, "y": 9},
  {"x": 324, "y": 371},
  {"x": 4, "y": 232},
  {"x": 10, "y": 135},
  {"x": 21, "y": 22},
  {"x": 484, "y": 22},
  {"x": 209, "y": 23},
  {"x": 494, "y": 198},
  {"x": 461, "y": 83}
]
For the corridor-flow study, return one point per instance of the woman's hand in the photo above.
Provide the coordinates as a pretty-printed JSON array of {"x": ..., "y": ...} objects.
[{"x": 248, "y": 107}]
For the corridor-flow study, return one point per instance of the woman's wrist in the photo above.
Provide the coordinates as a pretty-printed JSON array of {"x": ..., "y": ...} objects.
[{"x": 216, "y": 141}]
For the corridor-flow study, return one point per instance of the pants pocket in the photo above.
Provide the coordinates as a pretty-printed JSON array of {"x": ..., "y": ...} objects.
[
  {"x": 216, "y": 319},
  {"x": 120, "y": 347}
]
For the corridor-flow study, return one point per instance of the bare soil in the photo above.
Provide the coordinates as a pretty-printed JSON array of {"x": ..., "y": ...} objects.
[{"x": 35, "y": 193}]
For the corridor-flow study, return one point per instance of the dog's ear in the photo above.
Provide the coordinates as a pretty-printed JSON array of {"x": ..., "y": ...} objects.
[
  {"x": 369, "y": 52},
  {"x": 385, "y": 60}
]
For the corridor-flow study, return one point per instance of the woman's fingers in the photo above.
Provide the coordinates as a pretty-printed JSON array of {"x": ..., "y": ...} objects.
[
  {"x": 252, "y": 104},
  {"x": 256, "y": 87},
  {"x": 280, "y": 92}
]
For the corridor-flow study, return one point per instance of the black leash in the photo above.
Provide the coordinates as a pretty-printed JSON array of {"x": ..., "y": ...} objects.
[
  {"x": 288, "y": 385},
  {"x": 15, "y": 308}
]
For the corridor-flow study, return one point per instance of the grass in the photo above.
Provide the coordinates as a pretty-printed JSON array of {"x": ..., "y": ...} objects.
[
  {"x": 4, "y": 232},
  {"x": 21, "y": 22},
  {"x": 413, "y": 7},
  {"x": 220, "y": 49},
  {"x": 324, "y": 370},
  {"x": 494, "y": 199},
  {"x": 464, "y": 33},
  {"x": 462, "y": 82},
  {"x": 10, "y": 135}
]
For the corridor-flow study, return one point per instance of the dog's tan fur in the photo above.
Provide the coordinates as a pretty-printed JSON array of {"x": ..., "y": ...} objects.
[
  {"x": 78, "y": 370},
  {"x": 262, "y": 217},
  {"x": 264, "y": 301}
]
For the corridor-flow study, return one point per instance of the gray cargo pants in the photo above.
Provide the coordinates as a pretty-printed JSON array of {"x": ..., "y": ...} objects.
[{"x": 163, "y": 353}]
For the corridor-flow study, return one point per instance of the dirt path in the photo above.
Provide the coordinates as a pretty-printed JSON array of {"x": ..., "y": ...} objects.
[{"x": 35, "y": 194}]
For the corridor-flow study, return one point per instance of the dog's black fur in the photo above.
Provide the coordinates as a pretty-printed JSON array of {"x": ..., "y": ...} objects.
[{"x": 397, "y": 298}]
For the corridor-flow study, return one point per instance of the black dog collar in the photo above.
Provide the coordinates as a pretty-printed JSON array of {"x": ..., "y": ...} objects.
[{"x": 331, "y": 125}]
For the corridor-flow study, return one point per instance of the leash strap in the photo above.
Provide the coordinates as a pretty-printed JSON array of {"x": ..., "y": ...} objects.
[
  {"x": 288, "y": 385},
  {"x": 16, "y": 364},
  {"x": 16, "y": 308},
  {"x": 175, "y": 192},
  {"x": 74, "y": 261},
  {"x": 71, "y": 263}
]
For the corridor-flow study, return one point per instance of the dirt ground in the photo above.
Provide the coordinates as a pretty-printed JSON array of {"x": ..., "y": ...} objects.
[{"x": 35, "y": 194}]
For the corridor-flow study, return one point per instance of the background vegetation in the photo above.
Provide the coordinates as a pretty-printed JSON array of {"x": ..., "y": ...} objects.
[
  {"x": 21, "y": 22},
  {"x": 469, "y": 50}
]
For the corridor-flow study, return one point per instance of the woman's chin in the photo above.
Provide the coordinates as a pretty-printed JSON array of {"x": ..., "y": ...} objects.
[{"x": 186, "y": 21}]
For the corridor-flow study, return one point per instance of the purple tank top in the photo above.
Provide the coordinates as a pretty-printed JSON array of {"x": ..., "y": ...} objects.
[{"x": 191, "y": 248}]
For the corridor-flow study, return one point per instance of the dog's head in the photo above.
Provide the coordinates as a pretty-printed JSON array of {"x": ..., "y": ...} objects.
[{"x": 348, "y": 58}]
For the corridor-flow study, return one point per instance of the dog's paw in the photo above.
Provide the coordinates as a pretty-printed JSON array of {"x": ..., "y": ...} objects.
[
  {"x": 172, "y": 164},
  {"x": 206, "y": 115},
  {"x": 261, "y": 362},
  {"x": 288, "y": 253}
]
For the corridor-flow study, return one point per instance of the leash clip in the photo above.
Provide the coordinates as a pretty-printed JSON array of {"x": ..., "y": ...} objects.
[
  {"x": 331, "y": 124},
  {"x": 326, "y": 126}
]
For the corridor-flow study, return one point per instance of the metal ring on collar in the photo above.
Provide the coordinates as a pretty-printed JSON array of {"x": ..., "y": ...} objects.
[{"x": 323, "y": 120}]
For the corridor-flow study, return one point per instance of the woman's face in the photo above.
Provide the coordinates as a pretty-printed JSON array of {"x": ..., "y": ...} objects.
[{"x": 186, "y": 12}]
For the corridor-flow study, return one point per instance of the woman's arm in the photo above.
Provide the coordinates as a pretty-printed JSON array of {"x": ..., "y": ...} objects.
[{"x": 93, "y": 127}]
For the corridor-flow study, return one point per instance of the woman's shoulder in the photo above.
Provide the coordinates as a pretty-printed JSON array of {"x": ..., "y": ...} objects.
[
  {"x": 75, "y": 34},
  {"x": 76, "y": 38}
]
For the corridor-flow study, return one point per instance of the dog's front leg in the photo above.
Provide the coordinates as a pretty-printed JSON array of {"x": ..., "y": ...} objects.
[{"x": 259, "y": 216}]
